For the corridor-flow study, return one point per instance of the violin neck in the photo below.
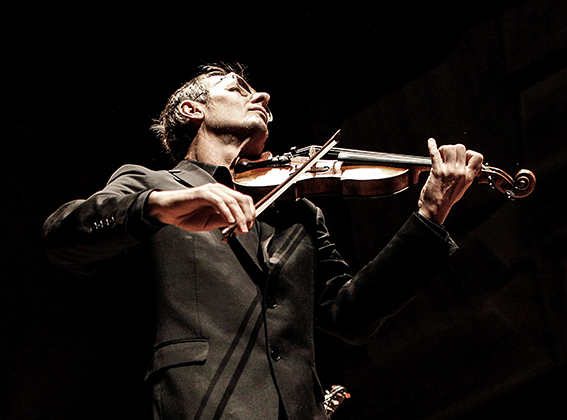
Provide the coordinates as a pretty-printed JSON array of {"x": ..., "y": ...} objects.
[
  {"x": 388, "y": 159},
  {"x": 362, "y": 157}
]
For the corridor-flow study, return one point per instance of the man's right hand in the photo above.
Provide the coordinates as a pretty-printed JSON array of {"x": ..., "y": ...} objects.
[{"x": 203, "y": 208}]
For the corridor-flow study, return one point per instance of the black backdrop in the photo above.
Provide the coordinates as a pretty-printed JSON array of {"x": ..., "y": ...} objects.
[{"x": 81, "y": 83}]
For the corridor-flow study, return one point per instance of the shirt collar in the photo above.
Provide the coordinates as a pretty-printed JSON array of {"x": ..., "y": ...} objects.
[{"x": 219, "y": 173}]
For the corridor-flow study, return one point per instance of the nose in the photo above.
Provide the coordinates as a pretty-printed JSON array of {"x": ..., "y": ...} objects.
[{"x": 263, "y": 98}]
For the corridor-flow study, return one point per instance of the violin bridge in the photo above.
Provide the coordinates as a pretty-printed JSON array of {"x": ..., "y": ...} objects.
[{"x": 312, "y": 150}]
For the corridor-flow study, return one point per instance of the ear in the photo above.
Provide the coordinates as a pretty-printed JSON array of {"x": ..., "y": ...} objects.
[{"x": 192, "y": 110}]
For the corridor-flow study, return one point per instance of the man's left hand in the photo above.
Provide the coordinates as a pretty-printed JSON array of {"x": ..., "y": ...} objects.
[{"x": 453, "y": 170}]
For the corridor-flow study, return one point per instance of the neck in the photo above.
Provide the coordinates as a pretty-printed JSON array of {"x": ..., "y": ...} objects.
[{"x": 216, "y": 150}]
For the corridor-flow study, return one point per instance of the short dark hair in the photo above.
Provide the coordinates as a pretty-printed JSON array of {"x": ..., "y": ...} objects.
[{"x": 173, "y": 128}]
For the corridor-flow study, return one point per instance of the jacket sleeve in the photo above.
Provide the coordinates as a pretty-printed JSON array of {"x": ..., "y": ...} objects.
[
  {"x": 354, "y": 306},
  {"x": 83, "y": 234}
]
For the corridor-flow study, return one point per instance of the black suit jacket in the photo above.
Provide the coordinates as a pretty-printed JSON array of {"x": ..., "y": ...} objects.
[{"x": 233, "y": 336}]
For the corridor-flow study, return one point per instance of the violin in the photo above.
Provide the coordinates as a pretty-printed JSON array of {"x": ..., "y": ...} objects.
[
  {"x": 355, "y": 173},
  {"x": 328, "y": 170}
]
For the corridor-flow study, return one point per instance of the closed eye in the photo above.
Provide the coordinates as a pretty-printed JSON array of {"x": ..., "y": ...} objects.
[{"x": 239, "y": 89}]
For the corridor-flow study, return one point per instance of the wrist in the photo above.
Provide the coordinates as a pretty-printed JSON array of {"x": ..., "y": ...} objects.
[
  {"x": 431, "y": 214},
  {"x": 152, "y": 208},
  {"x": 138, "y": 224}
]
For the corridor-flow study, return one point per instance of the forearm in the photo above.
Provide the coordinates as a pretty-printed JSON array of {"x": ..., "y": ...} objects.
[
  {"x": 83, "y": 233},
  {"x": 387, "y": 283}
]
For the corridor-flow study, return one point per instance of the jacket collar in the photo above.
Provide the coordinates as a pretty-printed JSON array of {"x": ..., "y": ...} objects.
[{"x": 194, "y": 174}]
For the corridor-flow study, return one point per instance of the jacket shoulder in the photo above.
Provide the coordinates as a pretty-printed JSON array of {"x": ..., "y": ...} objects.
[
  {"x": 135, "y": 178},
  {"x": 133, "y": 170}
]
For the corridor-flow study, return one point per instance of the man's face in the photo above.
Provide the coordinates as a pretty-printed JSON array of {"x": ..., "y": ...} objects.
[{"x": 235, "y": 108}]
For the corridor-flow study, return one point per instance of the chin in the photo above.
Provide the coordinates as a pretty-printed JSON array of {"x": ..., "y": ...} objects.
[{"x": 255, "y": 145}]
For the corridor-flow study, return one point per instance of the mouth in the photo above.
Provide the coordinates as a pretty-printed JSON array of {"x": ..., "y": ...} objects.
[{"x": 263, "y": 112}]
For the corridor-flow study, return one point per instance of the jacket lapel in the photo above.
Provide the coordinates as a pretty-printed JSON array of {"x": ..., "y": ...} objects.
[
  {"x": 190, "y": 175},
  {"x": 246, "y": 248},
  {"x": 251, "y": 243}
]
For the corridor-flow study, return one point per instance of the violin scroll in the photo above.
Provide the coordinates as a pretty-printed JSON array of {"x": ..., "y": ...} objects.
[
  {"x": 517, "y": 187},
  {"x": 334, "y": 398}
]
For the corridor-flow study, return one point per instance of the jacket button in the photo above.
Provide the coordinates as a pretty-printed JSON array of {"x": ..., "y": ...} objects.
[
  {"x": 271, "y": 302},
  {"x": 275, "y": 355}
]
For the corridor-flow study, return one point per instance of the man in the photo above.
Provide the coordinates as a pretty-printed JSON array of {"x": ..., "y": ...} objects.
[{"x": 234, "y": 321}]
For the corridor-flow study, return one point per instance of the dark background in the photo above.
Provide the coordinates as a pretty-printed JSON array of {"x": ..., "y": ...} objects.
[{"x": 81, "y": 83}]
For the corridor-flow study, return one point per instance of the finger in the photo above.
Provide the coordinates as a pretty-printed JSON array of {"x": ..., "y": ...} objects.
[
  {"x": 244, "y": 212},
  {"x": 218, "y": 202},
  {"x": 474, "y": 161},
  {"x": 449, "y": 154},
  {"x": 240, "y": 207},
  {"x": 215, "y": 197},
  {"x": 249, "y": 210},
  {"x": 434, "y": 152},
  {"x": 460, "y": 154}
]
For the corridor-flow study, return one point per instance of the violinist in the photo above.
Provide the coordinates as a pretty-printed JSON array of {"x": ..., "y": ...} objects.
[{"x": 234, "y": 321}]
